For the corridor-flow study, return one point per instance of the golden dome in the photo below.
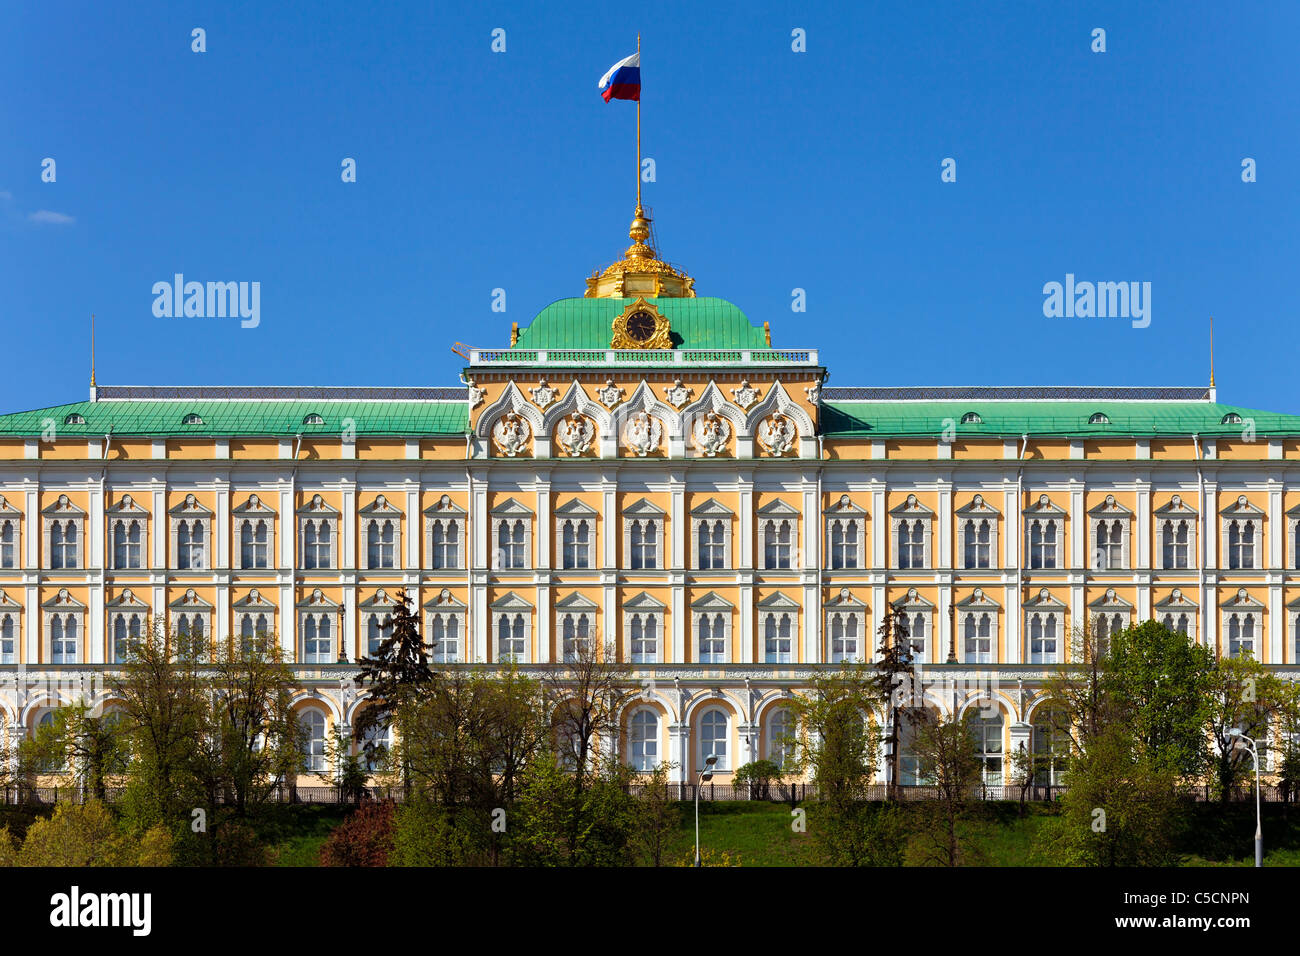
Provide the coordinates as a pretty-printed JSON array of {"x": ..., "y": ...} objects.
[{"x": 640, "y": 272}]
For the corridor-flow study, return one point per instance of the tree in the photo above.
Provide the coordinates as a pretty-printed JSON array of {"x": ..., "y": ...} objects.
[
  {"x": 1241, "y": 694},
  {"x": 1159, "y": 681},
  {"x": 398, "y": 675},
  {"x": 1082, "y": 709},
  {"x": 948, "y": 759},
  {"x": 86, "y": 835},
  {"x": 893, "y": 685},
  {"x": 758, "y": 775},
  {"x": 89, "y": 741},
  {"x": 585, "y": 696},
  {"x": 1120, "y": 808},
  {"x": 656, "y": 817}
]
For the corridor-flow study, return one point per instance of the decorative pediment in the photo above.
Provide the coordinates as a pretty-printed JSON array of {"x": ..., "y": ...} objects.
[
  {"x": 1110, "y": 601},
  {"x": 713, "y": 601},
  {"x": 913, "y": 600},
  {"x": 1175, "y": 507},
  {"x": 317, "y": 601},
  {"x": 845, "y": 600},
  {"x": 845, "y": 507},
  {"x": 63, "y": 601},
  {"x": 1243, "y": 600},
  {"x": 1044, "y": 600},
  {"x": 978, "y": 506},
  {"x": 576, "y": 602},
  {"x": 713, "y": 401},
  {"x": 126, "y": 506},
  {"x": 1110, "y": 508},
  {"x": 712, "y": 508},
  {"x": 511, "y": 508},
  {"x": 190, "y": 507},
  {"x": 445, "y": 601},
  {"x": 1044, "y": 508},
  {"x": 62, "y": 507},
  {"x": 781, "y": 424},
  {"x": 380, "y": 599},
  {"x": 254, "y": 600},
  {"x": 444, "y": 506},
  {"x": 319, "y": 507},
  {"x": 380, "y": 507},
  {"x": 1242, "y": 507},
  {"x": 1175, "y": 600},
  {"x": 254, "y": 506},
  {"x": 779, "y": 509},
  {"x": 124, "y": 599},
  {"x": 978, "y": 600},
  {"x": 911, "y": 508},
  {"x": 7, "y": 510},
  {"x": 644, "y": 602},
  {"x": 510, "y": 601},
  {"x": 779, "y": 602},
  {"x": 575, "y": 506},
  {"x": 7, "y": 602},
  {"x": 510, "y": 402},
  {"x": 190, "y": 601},
  {"x": 643, "y": 508}
]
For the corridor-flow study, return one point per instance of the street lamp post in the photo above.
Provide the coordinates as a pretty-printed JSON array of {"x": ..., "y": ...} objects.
[
  {"x": 701, "y": 777},
  {"x": 1249, "y": 744}
]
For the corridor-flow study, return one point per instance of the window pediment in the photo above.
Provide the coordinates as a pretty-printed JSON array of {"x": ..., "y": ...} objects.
[
  {"x": 127, "y": 505},
  {"x": 1242, "y": 507},
  {"x": 779, "y": 602},
  {"x": 1175, "y": 600},
  {"x": 317, "y": 601},
  {"x": 1044, "y": 507},
  {"x": 1175, "y": 507},
  {"x": 63, "y": 601},
  {"x": 190, "y": 601},
  {"x": 779, "y": 509},
  {"x": 62, "y": 507},
  {"x": 253, "y": 506},
  {"x": 712, "y": 508},
  {"x": 1110, "y": 601},
  {"x": 7, "y": 601},
  {"x": 1110, "y": 508},
  {"x": 576, "y": 602},
  {"x": 575, "y": 506},
  {"x": 445, "y": 601},
  {"x": 511, "y": 508},
  {"x": 913, "y": 600},
  {"x": 510, "y": 601},
  {"x": 1044, "y": 600},
  {"x": 644, "y": 601},
  {"x": 319, "y": 507},
  {"x": 444, "y": 506},
  {"x": 127, "y": 599},
  {"x": 845, "y": 507},
  {"x": 191, "y": 507},
  {"x": 643, "y": 508},
  {"x": 977, "y": 599},
  {"x": 380, "y": 599},
  {"x": 253, "y": 600},
  {"x": 912, "y": 507},
  {"x": 381, "y": 506},
  {"x": 7, "y": 509},
  {"x": 845, "y": 600},
  {"x": 978, "y": 505},
  {"x": 1243, "y": 600},
  {"x": 713, "y": 601}
]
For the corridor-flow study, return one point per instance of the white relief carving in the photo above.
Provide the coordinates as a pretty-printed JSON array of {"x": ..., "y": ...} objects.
[
  {"x": 474, "y": 394},
  {"x": 511, "y": 434},
  {"x": 543, "y": 394},
  {"x": 610, "y": 394},
  {"x": 575, "y": 434},
  {"x": 678, "y": 394},
  {"x": 643, "y": 433},
  {"x": 777, "y": 434},
  {"x": 710, "y": 434},
  {"x": 814, "y": 393},
  {"x": 745, "y": 395}
]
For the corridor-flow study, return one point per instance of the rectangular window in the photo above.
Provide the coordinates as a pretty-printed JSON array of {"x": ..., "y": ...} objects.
[
  {"x": 1042, "y": 544},
  {"x": 381, "y": 543},
  {"x": 844, "y": 544},
  {"x": 979, "y": 638},
  {"x": 911, "y": 544},
  {"x": 575, "y": 538},
  {"x": 644, "y": 638},
  {"x": 778, "y": 639},
  {"x": 512, "y": 544},
  {"x": 444, "y": 544},
  {"x": 712, "y": 544},
  {"x": 128, "y": 544},
  {"x": 317, "y": 539},
  {"x": 191, "y": 545},
  {"x": 8, "y": 544},
  {"x": 1241, "y": 545},
  {"x": 643, "y": 538},
  {"x": 255, "y": 544},
  {"x": 713, "y": 638},
  {"x": 1176, "y": 549},
  {"x": 844, "y": 633},
  {"x": 978, "y": 543}
]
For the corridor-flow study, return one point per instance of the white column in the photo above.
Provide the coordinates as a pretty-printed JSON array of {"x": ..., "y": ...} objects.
[
  {"x": 610, "y": 525},
  {"x": 745, "y": 518},
  {"x": 747, "y": 653},
  {"x": 943, "y": 559},
  {"x": 1143, "y": 518},
  {"x": 677, "y": 521},
  {"x": 222, "y": 529},
  {"x": 681, "y": 625},
  {"x": 414, "y": 526},
  {"x": 348, "y": 533},
  {"x": 545, "y": 557},
  {"x": 879, "y": 529}
]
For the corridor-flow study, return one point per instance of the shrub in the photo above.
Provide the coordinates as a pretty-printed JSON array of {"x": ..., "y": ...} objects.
[{"x": 365, "y": 838}]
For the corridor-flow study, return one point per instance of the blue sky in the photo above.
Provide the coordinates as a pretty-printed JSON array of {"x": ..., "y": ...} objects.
[{"x": 775, "y": 170}]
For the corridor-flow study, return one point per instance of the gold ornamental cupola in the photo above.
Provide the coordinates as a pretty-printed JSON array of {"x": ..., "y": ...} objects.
[{"x": 640, "y": 272}]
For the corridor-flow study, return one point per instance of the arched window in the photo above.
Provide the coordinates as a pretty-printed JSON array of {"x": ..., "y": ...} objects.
[
  {"x": 63, "y": 544},
  {"x": 1175, "y": 540},
  {"x": 1099, "y": 418},
  {"x": 381, "y": 538},
  {"x": 777, "y": 639},
  {"x": 50, "y": 764},
  {"x": 445, "y": 540},
  {"x": 917, "y": 626},
  {"x": 844, "y": 638},
  {"x": 643, "y": 740},
  {"x": 844, "y": 544},
  {"x": 316, "y": 639},
  {"x": 1232, "y": 418},
  {"x": 576, "y": 631},
  {"x": 74, "y": 419},
  {"x": 1051, "y": 745},
  {"x": 979, "y": 638},
  {"x": 63, "y": 639},
  {"x": 316, "y": 539},
  {"x": 375, "y": 743},
  {"x": 192, "y": 419},
  {"x": 128, "y": 538},
  {"x": 576, "y": 538},
  {"x": 1042, "y": 638},
  {"x": 313, "y": 419},
  {"x": 510, "y": 543},
  {"x": 714, "y": 738},
  {"x": 127, "y": 629},
  {"x": 911, "y": 544},
  {"x": 979, "y": 543},
  {"x": 644, "y": 636},
  {"x": 778, "y": 543},
  {"x": 444, "y": 634},
  {"x": 8, "y": 639},
  {"x": 644, "y": 541},
  {"x": 510, "y": 637},
  {"x": 1110, "y": 545},
  {"x": 713, "y": 638},
  {"x": 712, "y": 541},
  {"x": 1042, "y": 544},
  {"x": 1241, "y": 545},
  {"x": 254, "y": 544},
  {"x": 780, "y": 738},
  {"x": 1241, "y": 635},
  {"x": 987, "y": 732},
  {"x": 972, "y": 418},
  {"x": 190, "y": 545},
  {"x": 8, "y": 544},
  {"x": 375, "y": 632},
  {"x": 313, "y": 741}
]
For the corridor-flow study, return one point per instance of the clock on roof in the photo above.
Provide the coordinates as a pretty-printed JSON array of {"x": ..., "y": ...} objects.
[{"x": 641, "y": 327}]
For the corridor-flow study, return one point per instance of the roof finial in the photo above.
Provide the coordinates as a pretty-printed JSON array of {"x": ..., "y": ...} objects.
[{"x": 1211, "y": 351}]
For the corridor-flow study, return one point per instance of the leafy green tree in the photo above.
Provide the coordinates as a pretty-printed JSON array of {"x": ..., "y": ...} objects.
[
  {"x": 892, "y": 680},
  {"x": 84, "y": 835},
  {"x": 657, "y": 817},
  {"x": 758, "y": 776},
  {"x": 1241, "y": 694},
  {"x": 556, "y": 824},
  {"x": 1159, "y": 681},
  {"x": 1120, "y": 808},
  {"x": 947, "y": 756},
  {"x": 88, "y": 742}
]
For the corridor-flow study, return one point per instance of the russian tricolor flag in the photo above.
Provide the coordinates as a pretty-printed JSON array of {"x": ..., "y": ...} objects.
[{"x": 626, "y": 80}]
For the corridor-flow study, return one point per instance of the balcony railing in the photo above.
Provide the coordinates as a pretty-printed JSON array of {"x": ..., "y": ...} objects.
[{"x": 642, "y": 357}]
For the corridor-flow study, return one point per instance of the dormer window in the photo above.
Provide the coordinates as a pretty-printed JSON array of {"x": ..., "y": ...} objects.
[
  {"x": 1099, "y": 418},
  {"x": 192, "y": 419},
  {"x": 74, "y": 419},
  {"x": 972, "y": 418},
  {"x": 313, "y": 419}
]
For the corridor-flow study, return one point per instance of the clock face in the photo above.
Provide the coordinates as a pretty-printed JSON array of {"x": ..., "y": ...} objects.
[{"x": 640, "y": 326}]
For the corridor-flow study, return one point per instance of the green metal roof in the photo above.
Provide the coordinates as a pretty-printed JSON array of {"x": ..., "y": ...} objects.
[
  {"x": 702, "y": 323},
  {"x": 235, "y": 418},
  {"x": 1047, "y": 418}
]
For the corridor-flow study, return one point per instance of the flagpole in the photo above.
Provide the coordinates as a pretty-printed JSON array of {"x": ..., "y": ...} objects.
[{"x": 638, "y": 131}]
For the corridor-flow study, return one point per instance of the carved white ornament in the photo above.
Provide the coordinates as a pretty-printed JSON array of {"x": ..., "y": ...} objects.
[
  {"x": 474, "y": 394},
  {"x": 511, "y": 434},
  {"x": 710, "y": 434},
  {"x": 643, "y": 433},
  {"x": 746, "y": 395},
  {"x": 777, "y": 434},
  {"x": 610, "y": 394},
  {"x": 814, "y": 393},
  {"x": 575, "y": 434},
  {"x": 543, "y": 394},
  {"x": 678, "y": 394}
]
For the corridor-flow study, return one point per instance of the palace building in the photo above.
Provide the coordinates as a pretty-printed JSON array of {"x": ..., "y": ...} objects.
[{"x": 643, "y": 466}]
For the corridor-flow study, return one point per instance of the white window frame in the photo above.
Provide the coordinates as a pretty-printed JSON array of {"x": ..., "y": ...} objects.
[
  {"x": 1106, "y": 515},
  {"x": 1114, "y": 612},
  {"x": 847, "y": 515},
  {"x": 974, "y": 607},
  {"x": 583, "y": 616},
  {"x": 507, "y": 514},
  {"x": 982, "y": 727},
  {"x": 252, "y": 511},
  {"x": 11, "y": 554},
  {"x": 645, "y": 515},
  {"x": 1173, "y": 606},
  {"x": 251, "y": 607},
  {"x": 709, "y": 513},
  {"x": 320, "y": 514},
  {"x": 847, "y": 609},
  {"x": 377, "y": 610},
  {"x": 128, "y": 609},
  {"x": 913, "y": 607},
  {"x": 11, "y": 612},
  {"x": 451, "y": 613},
  {"x": 319, "y": 608},
  {"x": 574, "y": 513},
  {"x": 1045, "y": 514},
  {"x": 643, "y": 751},
  {"x": 910, "y": 512},
  {"x": 446, "y": 516},
  {"x": 771, "y": 517},
  {"x": 1245, "y": 611},
  {"x": 514, "y": 609},
  {"x": 976, "y": 511},
  {"x": 781, "y": 752},
  {"x": 644, "y": 607},
  {"x": 64, "y": 512},
  {"x": 314, "y": 750},
  {"x": 373, "y": 518},
  {"x": 66, "y": 608},
  {"x": 712, "y": 606},
  {"x": 775, "y": 611},
  {"x": 1173, "y": 512},
  {"x": 126, "y": 511},
  {"x": 723, "y": 753},
  {"x": 191, "y": 609},
  {"x": 1242, "y": 513},
  {"x": 1049, "y": 614},
  {"x": 190, "y": 513}
]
